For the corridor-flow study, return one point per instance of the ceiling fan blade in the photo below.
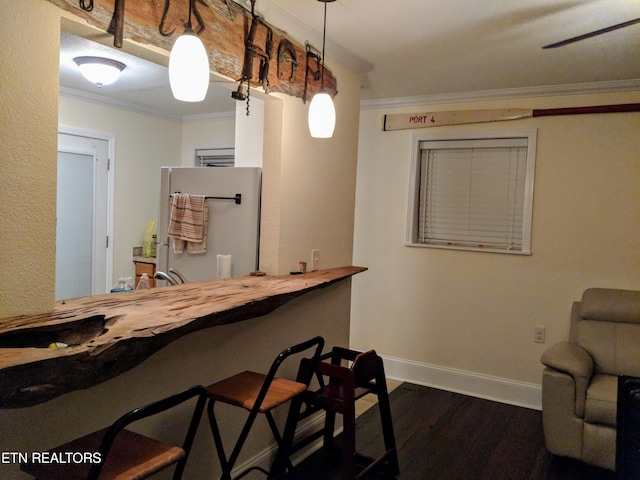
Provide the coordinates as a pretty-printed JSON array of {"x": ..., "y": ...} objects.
[{"x": 593, "y": 34}]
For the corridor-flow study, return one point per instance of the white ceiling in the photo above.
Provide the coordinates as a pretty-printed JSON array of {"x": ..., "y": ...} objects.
[{"x": 414, "y": 48}]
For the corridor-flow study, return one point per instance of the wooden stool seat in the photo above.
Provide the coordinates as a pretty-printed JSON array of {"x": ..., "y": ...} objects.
[
  {"x": 242, "y": 390},
  {"x": 259, "y": 394},
  {"x": 116, "y": 453},
  {"x": 132, "y": 456}
]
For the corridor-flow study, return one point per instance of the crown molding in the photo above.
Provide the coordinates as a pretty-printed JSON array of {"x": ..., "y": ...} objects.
[
  {"x": 505, "y": 94},
  {"x": 119, "y": 104},
  {"x": 209, "y": 117},
  {"x": 130, "y": 107}
]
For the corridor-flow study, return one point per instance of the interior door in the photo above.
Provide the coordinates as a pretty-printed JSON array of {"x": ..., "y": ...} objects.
[{"x": 82, "y": 216}]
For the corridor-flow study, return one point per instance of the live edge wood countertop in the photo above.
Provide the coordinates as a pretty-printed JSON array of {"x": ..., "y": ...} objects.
[{"x": 110, "y": 334}]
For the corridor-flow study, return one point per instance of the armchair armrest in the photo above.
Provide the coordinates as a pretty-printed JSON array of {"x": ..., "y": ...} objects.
[
  {"x": 574, "y": 361},
  {"x": 569, "y": 358}
]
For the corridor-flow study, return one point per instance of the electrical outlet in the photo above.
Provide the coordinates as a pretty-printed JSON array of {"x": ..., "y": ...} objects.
[
  {"x": 315, "y": 259},
  {"x": 538, "y": 334}
]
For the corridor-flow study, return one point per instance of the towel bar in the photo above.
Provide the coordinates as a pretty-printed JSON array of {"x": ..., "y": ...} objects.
[{"x": 237, "y": 198}]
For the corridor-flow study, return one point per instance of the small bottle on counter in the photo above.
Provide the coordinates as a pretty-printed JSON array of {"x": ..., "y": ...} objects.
[
  {"x": 122, "y": 285},
  {"x": 146, "y": 248},
  {"x": 148, "y": 242},
  {"x": 144, "y": 282}
]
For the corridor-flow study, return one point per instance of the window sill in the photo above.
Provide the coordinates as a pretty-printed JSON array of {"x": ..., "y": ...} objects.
[{"x": 468, "y": 249}]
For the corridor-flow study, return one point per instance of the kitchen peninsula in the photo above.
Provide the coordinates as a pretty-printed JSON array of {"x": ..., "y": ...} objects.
[{"x": 106, "y": 335}]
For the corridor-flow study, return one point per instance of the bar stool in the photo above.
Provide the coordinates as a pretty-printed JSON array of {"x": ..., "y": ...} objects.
[
  {"x": 118, "y": 453},
  {"x": 259, "y": 393},
  {"x": 345, "y": 386}
]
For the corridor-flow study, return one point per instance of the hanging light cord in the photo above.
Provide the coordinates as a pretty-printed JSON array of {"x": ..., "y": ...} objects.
[
  {"x": 188, "y": 25},
  {"x": 324, "y": 36}
]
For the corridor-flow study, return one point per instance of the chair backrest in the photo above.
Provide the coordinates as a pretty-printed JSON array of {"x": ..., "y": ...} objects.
[
  {"x": 366, "y": 367},
  {"x": 306, "y": 367},
  {"x": 606, "y": 323},
  {"x": 153, "y": 409}
]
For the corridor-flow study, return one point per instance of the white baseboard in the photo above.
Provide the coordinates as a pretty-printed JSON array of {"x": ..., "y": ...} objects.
[{"x": 502, "y": 390}]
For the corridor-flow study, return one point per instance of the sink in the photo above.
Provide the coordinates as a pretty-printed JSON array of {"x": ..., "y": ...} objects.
[{"x": 70, "y": 333}]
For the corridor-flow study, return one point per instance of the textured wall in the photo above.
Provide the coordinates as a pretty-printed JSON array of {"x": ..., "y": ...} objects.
[{"x": 30, "y": 37}]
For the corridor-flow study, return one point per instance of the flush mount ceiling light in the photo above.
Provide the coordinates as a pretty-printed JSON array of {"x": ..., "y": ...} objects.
[
  {"x": 99, "y": 70},
  {"x": 189, "y": 66},
  {"x": 322, "y": 112}
]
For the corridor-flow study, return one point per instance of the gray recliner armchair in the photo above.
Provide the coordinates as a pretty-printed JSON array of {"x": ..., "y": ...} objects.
[{"x": 579, "y": 381}]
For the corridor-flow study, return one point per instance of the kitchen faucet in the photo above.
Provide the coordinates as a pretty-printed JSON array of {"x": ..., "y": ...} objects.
[
  {"x": 163, "y": 276},
  {"x": 179, "y": 275}
]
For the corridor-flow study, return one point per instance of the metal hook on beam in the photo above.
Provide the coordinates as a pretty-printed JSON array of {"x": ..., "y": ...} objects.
[{"x": 193, "y": 8}]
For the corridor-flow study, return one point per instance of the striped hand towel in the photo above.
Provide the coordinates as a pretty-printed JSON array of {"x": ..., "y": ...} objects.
[{"x": 188, "y": 223}]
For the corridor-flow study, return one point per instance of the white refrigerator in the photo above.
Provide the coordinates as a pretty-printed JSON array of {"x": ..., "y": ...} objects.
[{"x": 233, "y": 198}]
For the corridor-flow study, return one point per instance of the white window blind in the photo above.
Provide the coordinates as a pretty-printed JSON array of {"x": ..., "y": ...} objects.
[
  {"x": 215, "y": 157},
  {"x": 473, "y": 194}
]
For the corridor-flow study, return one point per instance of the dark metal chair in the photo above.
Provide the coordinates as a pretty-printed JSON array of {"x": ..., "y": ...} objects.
[
  {"x": 258, "y": 393},
  {"x": 345, "y": 385},
  {"x": 116, "y": 452},
  {"x": 628, "y": 429}
]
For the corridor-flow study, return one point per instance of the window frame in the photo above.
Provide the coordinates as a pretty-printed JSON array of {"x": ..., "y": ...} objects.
[
  {"x": 206, "y": 157},
  {"x": 413, "y": 201}
]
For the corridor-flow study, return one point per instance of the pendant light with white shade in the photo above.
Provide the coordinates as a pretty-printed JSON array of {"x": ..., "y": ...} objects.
[
  {"x": 322, "y": 112},
  {"x": 189, "y": 66}
]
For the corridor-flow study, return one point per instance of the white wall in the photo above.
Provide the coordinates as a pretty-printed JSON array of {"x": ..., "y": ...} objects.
[
  {"x": 314, "y": 203},
  {"x": 464, "y": 320},
  {"x": 249, "y": 140},
  {"x": 215, "y": 132}
]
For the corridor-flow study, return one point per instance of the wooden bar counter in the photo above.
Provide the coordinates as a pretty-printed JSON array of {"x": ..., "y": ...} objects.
[{"x": 109, "y": 334}]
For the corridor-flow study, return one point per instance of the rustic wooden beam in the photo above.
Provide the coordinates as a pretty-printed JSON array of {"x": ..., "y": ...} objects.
[
  {"x": 226, "y": 29},
  {"x": 110, "y": 334}
]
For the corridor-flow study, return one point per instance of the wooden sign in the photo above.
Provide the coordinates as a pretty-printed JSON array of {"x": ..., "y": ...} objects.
[{"x": 403, "y": 121}]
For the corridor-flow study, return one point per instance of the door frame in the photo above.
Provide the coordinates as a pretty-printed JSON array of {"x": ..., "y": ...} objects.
[{"x": 110, "y": 189}]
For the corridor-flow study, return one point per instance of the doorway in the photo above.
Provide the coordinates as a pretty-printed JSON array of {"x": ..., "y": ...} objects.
[{"x": 83, "y": 251}]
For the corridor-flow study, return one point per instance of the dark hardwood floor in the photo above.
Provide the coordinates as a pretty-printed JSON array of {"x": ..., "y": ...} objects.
[{"x": 447, "y": 436}]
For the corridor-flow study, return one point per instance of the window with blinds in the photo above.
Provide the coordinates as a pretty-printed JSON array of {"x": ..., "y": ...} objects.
[
  {"x": 215, "y": 157},
  {"x": 473, "y": 193}
]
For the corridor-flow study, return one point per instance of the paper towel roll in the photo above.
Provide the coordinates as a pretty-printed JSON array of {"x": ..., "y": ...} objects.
[{"x": 224, "y": 266}]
